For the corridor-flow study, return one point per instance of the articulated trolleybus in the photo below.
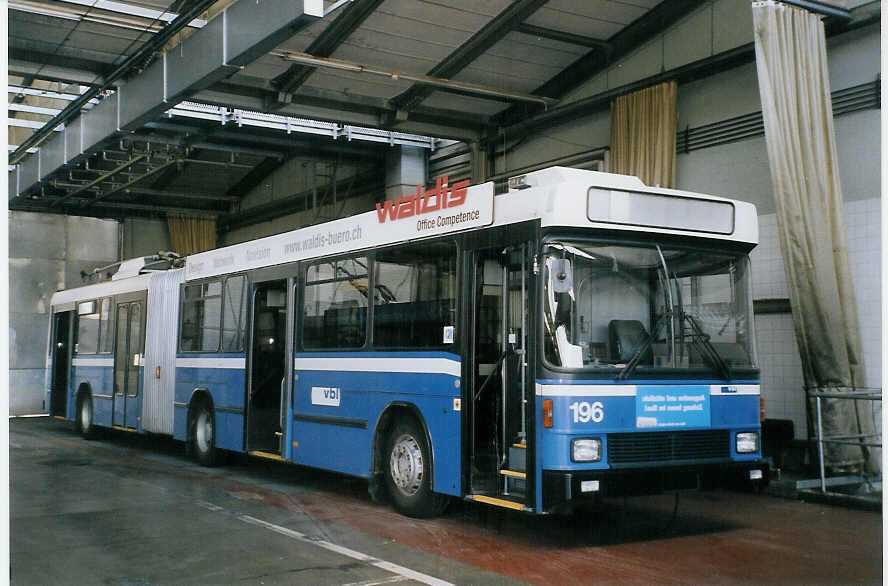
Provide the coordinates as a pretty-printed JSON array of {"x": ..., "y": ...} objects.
[{"x": 579, "y": 337}]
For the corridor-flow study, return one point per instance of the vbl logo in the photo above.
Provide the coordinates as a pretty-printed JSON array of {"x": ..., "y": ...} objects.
[{"x": 332, "y": 394}]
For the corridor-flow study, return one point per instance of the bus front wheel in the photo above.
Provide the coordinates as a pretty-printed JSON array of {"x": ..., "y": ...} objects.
[
  {"x": 203, "y": 435},
  {"x": 408, "y": 472}
]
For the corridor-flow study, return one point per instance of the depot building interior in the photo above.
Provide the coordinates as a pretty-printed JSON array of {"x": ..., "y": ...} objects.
[{"x": 139, "y": 126}]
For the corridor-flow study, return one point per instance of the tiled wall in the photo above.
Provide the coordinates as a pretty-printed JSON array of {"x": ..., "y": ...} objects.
[{"x": 778, "y": 353}]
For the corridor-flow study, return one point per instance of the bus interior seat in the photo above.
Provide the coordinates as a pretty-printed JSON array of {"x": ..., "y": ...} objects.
[
  {"x": 344, "y": 324},
  {"x": 625, "y": 337},
  {"x": 571, "y": 354}
]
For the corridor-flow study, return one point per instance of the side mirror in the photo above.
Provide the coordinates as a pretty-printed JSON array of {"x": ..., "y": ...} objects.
[{"x": 562, "y": 275}]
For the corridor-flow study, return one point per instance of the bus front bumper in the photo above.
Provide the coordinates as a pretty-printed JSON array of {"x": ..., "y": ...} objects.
[{"x": 562, "y": 487}]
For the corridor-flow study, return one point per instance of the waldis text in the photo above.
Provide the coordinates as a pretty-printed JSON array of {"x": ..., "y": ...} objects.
[{"x": 439, "y": 197}]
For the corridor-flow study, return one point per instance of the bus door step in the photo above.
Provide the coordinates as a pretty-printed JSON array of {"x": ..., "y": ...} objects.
[
  {"x": 498, "y": 502},
  {"x": 514, "y": 482},
  {"x": 268, "y": 456},
  {"x": 518, "y": 457}
]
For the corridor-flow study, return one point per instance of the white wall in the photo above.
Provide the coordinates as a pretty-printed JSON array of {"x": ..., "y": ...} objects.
[
  {"x": 778, "y": 353},
  {"x": 46, "y": 253}
]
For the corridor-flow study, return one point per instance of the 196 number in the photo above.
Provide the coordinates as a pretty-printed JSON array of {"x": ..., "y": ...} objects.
[{"x": 583, "y": 412}]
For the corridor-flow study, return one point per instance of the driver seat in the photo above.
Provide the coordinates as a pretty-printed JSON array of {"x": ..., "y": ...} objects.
[{"x": 625, "y": 336}]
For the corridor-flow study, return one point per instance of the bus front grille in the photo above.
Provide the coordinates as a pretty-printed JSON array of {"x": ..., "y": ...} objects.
[{"x": 668, "y": 446}]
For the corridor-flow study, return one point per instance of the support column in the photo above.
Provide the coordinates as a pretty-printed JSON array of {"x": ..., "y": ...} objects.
[
  {"x": 478, "y": 158},
  {"x": 405, "y": 168}
]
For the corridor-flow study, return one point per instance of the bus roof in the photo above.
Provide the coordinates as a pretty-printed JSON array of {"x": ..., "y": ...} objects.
[{"x": 556, "y": 196}]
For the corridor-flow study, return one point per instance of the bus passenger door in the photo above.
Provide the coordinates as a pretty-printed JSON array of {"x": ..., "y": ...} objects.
[
  {"x": 127, "y": 364},
  {"x": 61, "y": 363},
  {"x": 266, "y": 388},
  {"x": 501, "y": 406}
]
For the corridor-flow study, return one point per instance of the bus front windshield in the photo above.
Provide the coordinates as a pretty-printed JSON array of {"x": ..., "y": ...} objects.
[{"x": 624, "y": 310}]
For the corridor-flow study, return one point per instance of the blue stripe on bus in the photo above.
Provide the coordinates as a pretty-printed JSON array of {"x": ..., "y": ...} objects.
[
  {"x": 364, "y": 396},
  {"x": 101, "y": 381},
  {"x": 227, "y": 387}
]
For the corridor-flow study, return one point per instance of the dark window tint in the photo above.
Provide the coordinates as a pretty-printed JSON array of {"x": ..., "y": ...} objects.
[
  {"x": 201, "y": 317},
  {"x": 414, "y": 296},
  {"x": 234, "y": 313},
  {"x": 87, "y": 341},
  {"x": 335, "y": 308}
]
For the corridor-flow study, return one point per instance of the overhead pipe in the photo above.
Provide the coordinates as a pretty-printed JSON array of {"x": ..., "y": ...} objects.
[{"x": 439, "y": 82}]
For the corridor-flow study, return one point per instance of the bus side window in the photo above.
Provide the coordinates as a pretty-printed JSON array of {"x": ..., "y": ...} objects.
[
  {"x": 201, "y": 317},
  {"x": 87, "y": 341},
  {"x": 234, "y": 313},
  {"x": 414, "y": 295},
  {"x": 334, "y": 313}
]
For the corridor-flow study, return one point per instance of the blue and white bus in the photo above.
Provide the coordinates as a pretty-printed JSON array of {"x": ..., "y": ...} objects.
[{"x": 579, "y": 337}]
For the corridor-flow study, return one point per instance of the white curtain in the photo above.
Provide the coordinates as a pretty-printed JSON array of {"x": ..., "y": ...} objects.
[
  {"x": 790, "y": 50},
  {"x": 643, "y": 127}
]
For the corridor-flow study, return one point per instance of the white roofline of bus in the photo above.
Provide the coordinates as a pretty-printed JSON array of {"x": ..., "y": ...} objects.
[
  {"x": 556, "y": 196},
  {"x": 103, "y": 289}
]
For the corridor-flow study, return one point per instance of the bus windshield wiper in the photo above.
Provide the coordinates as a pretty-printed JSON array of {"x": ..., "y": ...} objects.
[{"x": 701, "y": 339}]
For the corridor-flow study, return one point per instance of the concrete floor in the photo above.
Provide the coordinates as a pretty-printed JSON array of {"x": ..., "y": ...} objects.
[{"x": 133, "y": 510}]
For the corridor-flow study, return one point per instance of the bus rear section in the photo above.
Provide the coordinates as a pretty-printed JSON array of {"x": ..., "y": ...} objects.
[{"x": 648, "y": 379}]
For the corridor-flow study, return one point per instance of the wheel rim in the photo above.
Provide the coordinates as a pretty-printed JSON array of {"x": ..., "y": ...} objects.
[
  {"x": 85, "y": 415},
  {"x": 406, "y": 465},
  {"x": 203, "y": 432}
]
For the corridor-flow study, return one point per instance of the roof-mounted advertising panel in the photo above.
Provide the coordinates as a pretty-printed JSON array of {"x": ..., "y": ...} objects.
[{"x": 440, "y": 210}]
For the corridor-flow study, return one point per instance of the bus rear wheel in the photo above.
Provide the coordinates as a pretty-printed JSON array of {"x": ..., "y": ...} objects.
[
  {"x": 85, "y": 417},
  {"x": 203, "y": 435},
  {"x": 408, "y": 472}
]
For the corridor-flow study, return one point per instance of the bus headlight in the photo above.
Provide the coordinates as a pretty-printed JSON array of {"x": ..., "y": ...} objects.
[
  {"x": 585, "y": 450},
  {"x": 747, "y": 442}
]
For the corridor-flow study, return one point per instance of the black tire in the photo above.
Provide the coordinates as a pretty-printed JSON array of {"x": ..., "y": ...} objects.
[
  {"x": 203, "y": 435},
  {"x": 408, "y": 472},
  {"x": 85, "y": 424}
]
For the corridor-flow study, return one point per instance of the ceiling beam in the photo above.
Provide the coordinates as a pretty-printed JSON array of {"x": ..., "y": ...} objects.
[
  {"x": 638, "y": 32},
  {"x": 107, "y": 209},
  {"x": 564, "y": 37},
  {"x": 474, "y": 47},
  {"x": 342, "y": 108},
  {"x": 244, "y": 32},
  {"x": 351, "y": 17},
  {"x": 90, "y": 66},
  {"x": 19, "y": 98},
  {"x": 55, "y": 74},
  {"x": 145, "y": 52}
]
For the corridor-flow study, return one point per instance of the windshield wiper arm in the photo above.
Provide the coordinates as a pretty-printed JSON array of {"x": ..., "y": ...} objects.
[
  {"x": 701, "y": 339},
  {"x": 639, "y": 352}
]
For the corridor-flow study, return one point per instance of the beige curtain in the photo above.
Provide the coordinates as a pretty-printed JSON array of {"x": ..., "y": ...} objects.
[
  {"x": 643, "y": 134},
  {"x": 191, "y": 234},
  {"x": 790, "y": 50}
]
